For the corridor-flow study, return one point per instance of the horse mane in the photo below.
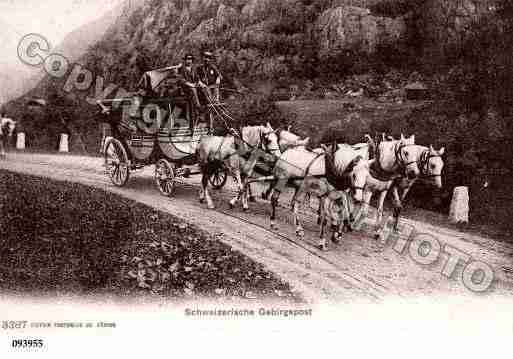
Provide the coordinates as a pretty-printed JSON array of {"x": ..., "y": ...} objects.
[{"x": 385, "y": 148}]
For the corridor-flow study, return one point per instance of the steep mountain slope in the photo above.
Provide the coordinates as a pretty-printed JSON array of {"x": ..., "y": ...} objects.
[
  {"x": 24, "y": 78},
  {"x": 253, "y": 40},
  {"x": 274, "y": 43}
]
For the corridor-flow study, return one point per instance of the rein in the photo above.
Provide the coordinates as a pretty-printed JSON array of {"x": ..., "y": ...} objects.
[{"x": 311, "y": 163}]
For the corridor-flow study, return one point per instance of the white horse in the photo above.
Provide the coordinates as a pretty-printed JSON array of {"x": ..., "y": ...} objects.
[
  {"x": 430, "y": 164},
  {"x": 363, "y": 149},
  {"x": 235, "y": 152},
  {"x": 394, "y": 159},
  {"x": 320, "y": 174},
  {"x": 7, "y": 126},
  {"x": 286, "y": 140}
]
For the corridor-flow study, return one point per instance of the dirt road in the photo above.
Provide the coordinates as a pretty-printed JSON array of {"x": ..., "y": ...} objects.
[{"x": 357, "y": 269}]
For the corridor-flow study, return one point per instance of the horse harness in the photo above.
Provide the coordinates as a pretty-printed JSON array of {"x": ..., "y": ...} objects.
[
  {"x": 333, "y": 179},
  {"x": 383, "y": 175},
  {"x": 238, "y": 141}
]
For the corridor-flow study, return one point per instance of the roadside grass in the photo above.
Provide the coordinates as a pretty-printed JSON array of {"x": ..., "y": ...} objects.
[{"x": 67, "y": 238}]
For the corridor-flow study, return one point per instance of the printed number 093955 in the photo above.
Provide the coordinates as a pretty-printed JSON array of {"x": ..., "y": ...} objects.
[{"x": 27, "y": 343}]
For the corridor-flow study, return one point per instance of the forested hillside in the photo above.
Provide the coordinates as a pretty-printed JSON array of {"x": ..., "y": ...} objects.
[{"x": 323, "y": 49}]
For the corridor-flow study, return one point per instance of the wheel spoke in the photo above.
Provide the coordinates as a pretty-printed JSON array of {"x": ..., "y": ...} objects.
[
  {"x": 118, "y": 174},
  {"x": 164, "y": 177},
  {"x": 116, "y": 163},
  {"x": 114, "y": 174}
]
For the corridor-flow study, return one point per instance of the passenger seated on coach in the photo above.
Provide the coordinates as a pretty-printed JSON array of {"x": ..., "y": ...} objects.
[{"x": 209, "y": 77}]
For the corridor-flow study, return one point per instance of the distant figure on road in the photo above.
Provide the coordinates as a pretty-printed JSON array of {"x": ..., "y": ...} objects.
[{"x": 7, "y": 126}]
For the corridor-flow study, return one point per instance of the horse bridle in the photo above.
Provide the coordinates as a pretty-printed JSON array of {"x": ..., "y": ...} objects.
[
  {"x": 263, "y": 140},
  {"x": 423, "y": 164},
  {"x": 399, "y": 159}
]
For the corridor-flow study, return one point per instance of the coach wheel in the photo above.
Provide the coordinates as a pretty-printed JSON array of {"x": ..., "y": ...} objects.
[
  {"x": 218, "y": 178},
  {"x": 165, "y": 177},
  {"x": 116, "y": 162}
]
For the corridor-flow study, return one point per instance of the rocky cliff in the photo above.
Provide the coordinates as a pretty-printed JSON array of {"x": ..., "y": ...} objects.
[
  {"x": 272, "y": 40},
  {"x": 446, "y": 24},
  {"x": 267, "y": 43}
]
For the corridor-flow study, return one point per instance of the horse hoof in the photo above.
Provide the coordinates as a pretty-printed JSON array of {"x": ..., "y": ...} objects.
[
  {"x": 201, "y": 200},
  {"x": 347, "y": 226},
  {"x": 252, "y": 199},
  {"x": 335, "y": 239},
  {"x": 274, "y": 226},
  {"x": 377, "y": 236},
  {"x": 300, "y": 233},
  {"x": 323, "y": 247},
  {"x": 231, "y": 205},
  {"x": 245, "y": 209}
]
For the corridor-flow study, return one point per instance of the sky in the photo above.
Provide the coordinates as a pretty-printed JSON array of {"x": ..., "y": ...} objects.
[{"x": 51, "y": 18}]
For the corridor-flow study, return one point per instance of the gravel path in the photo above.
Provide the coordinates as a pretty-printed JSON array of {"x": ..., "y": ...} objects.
[{"x": 357, "y": 269}]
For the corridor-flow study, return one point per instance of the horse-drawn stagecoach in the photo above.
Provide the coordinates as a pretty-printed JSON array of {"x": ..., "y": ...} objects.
[
  {"x": 148, "y": 129},
  {"x": 167, "y": 132}
]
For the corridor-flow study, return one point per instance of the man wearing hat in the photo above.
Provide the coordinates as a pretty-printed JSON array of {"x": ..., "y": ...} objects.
[
  {"x": 209, "y": 76},
  {"x": 189, "y": 80}
]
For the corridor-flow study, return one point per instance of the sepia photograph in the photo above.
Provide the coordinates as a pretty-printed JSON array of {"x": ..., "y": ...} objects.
[{"x": 256, "y": 178}]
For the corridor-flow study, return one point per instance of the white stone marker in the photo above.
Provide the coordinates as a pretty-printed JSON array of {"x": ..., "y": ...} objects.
[
  {"x": 63, "y": 145},
  {"x": 20, "y": 141},
  {"x": 459, "y": 205}
]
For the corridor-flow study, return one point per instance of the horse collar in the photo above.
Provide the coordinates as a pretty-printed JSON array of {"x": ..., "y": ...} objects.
[{"x": 378, "y": 172}]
